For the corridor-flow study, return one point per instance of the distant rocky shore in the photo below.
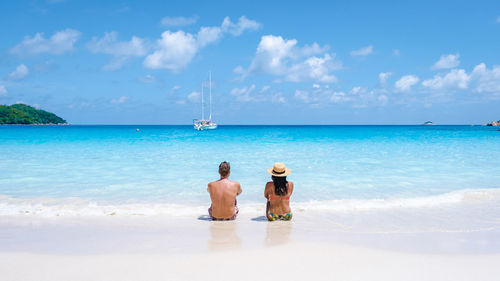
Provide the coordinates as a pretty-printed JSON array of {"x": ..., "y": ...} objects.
[{"x": 494, "y": 123}]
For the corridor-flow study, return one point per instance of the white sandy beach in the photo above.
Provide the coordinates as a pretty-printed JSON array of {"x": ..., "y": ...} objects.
[
  {"x": 250, "y": 248},
  {"x": 294, "y": 261}
]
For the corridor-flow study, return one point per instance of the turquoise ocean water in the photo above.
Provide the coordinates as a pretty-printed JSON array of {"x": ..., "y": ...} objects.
[{"x": 63, "y": 166}]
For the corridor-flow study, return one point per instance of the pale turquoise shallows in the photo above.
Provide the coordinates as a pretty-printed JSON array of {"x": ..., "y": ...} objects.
[{"x": 172, "y": 164}]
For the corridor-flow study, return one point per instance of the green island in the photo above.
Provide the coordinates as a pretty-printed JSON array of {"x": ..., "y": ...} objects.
[{"x": 25, "y": 114}]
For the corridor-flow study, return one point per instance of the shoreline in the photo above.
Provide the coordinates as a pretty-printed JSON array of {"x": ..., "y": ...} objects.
[
  {"x": 246, "y": 249},
  {"x": 433, "y": 230},
  {"x": 46, "y": 207},
  {"x": 459, "y": 241}
]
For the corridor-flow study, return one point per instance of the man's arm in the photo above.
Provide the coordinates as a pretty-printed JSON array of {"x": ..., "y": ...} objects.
[{"x": 239, "y": 189}]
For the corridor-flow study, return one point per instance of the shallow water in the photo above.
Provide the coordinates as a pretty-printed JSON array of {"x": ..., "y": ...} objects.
[{"x": 86, "y": 169}]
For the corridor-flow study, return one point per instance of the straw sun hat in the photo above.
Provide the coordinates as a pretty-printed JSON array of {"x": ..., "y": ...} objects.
[{"x": 279, "y": 170}]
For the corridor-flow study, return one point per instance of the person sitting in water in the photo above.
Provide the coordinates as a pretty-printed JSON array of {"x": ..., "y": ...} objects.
[
  {"x": 223, "y": 194},
  {"x": 277, "y": 193}
]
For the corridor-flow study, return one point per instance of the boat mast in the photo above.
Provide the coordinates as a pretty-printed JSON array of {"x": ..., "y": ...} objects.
[
  {"x": 210, "y": 74},
  {"x": 202, "y": 103}
]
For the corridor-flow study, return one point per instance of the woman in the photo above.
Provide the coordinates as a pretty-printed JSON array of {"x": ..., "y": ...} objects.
[{"x": 278, "y": 193}]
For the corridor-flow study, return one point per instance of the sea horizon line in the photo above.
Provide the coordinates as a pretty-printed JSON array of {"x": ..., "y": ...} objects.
[{"x": 234, "y": 125}]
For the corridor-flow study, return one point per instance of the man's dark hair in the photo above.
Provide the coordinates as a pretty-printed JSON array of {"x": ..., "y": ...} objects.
[{"x": 224, "y": 168}]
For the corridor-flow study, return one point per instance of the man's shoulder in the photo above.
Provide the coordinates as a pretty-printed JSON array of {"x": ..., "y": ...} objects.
[
  {"x": 234, "y": 182},
  {"x": 213, "y": 184}
]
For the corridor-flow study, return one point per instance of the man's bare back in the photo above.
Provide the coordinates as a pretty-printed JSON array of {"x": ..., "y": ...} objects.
[{"x": 223, "y": 194}]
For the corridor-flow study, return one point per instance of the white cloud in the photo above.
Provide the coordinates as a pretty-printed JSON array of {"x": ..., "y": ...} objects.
[
  {"x": 178, "y": 21},
  {"x": 316, "y": 86},
  {"x": 406, "y": 82},
  {"x": 208, "y": 35},
  {"x": 383, "y": 76},
  {"x": 173, "y": 93},
  {"x": 175, "y": 50},
  {"x": 239, "y": 70},
  {"x": 59, "y": 43},
  {"x": 447, "y": 61},
  {"x": 319, "y": 97},
  {"x": 486, "y": 80},
  {"x": 278, "y": 98},
  {"x": 3, "y": 91},
  {"x": 251, "y": 94},
  {"x": 480, "y": 80},
  {"x": 365, "y": 51},
  {"x": 21, "y": 72},
  {"x": 119, "y": 100},
  {"x": 498, "y": 19},
  {"x": 194, "y": 97},
  {"x": 355, "y": 90},
  {"x": 456, "y": 78},
  {"x": 339, "y": 97},
  {"x": 313, "y": 69},
  {"x": 265, "y": 88},
  {"x": 364, "y": 98},
  {"x": 382, "y": 99},
  {"x": 147, "y": 79},
  {"x": 311, "y": 50},
  {"x": 396, "y": 52},
  {"x": 283, "y": 58},
  {"x": 271, "y": 53},
  {"x": 302, "y": 95},
  {"x": 244, "y": 94},
  {"x": 110, "y": 45},
  {"x": 121, "y": 51},
  {"x": 241, "y": 26}
]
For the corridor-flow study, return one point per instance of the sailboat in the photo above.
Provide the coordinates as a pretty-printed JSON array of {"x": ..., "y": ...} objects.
[{"x": 205, "y": 124}]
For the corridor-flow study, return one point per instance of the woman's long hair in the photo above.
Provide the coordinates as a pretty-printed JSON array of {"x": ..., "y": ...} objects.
[{"x": 280, "y": 187}]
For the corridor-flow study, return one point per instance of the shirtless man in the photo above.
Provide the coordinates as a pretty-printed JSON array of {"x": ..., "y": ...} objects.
[{"x": 223, "y": 194}]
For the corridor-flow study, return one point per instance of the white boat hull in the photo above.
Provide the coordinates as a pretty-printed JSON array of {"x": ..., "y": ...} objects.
[
  {"x": 201, "y": 125},
  {"x": 202, "y": 128}
]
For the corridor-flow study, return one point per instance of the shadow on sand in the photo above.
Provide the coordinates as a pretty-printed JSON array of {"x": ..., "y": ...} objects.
[
  {"x": 204, "y": 218},
  {"x": 260, "y": 218}
]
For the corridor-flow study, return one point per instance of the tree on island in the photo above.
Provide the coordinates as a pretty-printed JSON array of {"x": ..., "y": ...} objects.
[{"x": 25, "y": 114}]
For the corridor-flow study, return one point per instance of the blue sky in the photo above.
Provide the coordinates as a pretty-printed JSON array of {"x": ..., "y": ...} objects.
[{"x": 273, "y": 62}]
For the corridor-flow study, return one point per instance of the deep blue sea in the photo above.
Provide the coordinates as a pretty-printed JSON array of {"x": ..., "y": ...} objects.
[{"x": 106, "y": 165}]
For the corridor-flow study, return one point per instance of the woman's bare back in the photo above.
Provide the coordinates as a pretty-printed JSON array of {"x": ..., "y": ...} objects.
[{"x": 279, "y": 205}]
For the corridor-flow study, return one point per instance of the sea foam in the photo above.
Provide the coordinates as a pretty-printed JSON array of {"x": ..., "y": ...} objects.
[{"x": 79, "y": 207}]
